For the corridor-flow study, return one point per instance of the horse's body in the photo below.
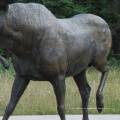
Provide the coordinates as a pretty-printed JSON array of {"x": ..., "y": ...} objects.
[{"x": 45, "y": 48}]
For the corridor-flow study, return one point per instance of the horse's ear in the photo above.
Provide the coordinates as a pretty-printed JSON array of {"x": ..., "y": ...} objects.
[
  {"x": 4, "y": 3},
  {"x": 42, "y": 2}
]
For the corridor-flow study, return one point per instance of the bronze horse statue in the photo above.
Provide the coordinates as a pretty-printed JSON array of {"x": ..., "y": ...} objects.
[{"x": 45, "y": 48}]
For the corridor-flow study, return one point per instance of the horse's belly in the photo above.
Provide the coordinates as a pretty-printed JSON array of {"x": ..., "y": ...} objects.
[
  {"x": 76, "y": 67},
  {"x": 79, "y": 59}
]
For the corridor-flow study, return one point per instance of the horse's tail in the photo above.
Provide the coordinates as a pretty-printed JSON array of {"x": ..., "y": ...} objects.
[{"x": 4, "y": 3}]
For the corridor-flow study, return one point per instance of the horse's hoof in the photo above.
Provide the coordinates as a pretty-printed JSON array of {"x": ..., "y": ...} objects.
[
  {"x": 99, "y": 103},
  {"x": 100, "y": 106},
  {"x": 85, "y": 119}
]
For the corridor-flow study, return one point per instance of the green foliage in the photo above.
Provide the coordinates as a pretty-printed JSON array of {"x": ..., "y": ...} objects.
[
  {"x": 64, "y": 8},
  {"x": 2, "y": 51},
  {"x": 26, "y": 1},
  {"x": 114, "y": 62},
  {"x": 11, "y": 69}
]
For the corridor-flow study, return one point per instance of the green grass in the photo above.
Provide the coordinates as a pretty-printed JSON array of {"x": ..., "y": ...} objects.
[{"x": 39, "y": 97}]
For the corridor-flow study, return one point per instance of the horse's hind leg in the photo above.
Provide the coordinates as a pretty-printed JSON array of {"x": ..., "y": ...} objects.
[
  {"x": 84, "y": 90},
  {"x": 104, "y": 68}
]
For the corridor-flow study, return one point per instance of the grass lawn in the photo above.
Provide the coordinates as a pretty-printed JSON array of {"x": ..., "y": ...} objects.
[{"x": 39, "y": 97}]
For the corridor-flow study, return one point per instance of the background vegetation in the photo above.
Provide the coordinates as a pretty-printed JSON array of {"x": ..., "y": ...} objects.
[{"x": 39, "y": 98}]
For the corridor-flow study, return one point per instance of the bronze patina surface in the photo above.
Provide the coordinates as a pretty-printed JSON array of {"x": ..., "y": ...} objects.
[{"x": 45, "y": 48}]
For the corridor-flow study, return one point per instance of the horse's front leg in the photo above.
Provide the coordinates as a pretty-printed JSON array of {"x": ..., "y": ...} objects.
[
  {"x": 19, "y": 86},
  {"x": 59, "y": 89}
]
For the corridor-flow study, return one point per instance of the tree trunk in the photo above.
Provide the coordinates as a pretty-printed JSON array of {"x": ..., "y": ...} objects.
[{"x": 116, "y": 45}]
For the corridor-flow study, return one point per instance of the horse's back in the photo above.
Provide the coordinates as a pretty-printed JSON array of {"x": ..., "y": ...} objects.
[{"x": 85, "y": 36}]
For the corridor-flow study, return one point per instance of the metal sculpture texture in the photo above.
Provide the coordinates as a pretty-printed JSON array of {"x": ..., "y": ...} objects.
[{"x": 45, "y": 48}]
